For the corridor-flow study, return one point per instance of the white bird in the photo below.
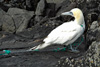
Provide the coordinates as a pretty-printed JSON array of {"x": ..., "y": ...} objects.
[{"x": 66, "y": 33}]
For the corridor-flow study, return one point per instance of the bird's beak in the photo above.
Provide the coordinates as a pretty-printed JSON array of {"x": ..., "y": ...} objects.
[{"x": 67, "y": 13}]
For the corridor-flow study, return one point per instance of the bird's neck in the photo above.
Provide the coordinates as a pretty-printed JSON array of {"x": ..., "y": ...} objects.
[{"x": 80, "y": 21}]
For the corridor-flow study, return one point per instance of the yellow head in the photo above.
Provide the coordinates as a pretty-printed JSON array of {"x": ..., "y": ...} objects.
[{"x": 77, "y": 14}]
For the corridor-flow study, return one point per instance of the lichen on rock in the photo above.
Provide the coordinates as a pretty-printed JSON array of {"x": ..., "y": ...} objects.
[{"x": 91, "y": 58}]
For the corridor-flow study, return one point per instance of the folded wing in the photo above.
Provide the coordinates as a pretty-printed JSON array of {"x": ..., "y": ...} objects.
[{"x": 64, "y": 33}]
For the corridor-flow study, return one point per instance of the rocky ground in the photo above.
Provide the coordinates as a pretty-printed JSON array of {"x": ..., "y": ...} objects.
[{"x": 25, "y": 23}]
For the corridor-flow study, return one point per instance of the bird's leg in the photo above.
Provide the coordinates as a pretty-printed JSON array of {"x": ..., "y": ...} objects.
[
  {"x": 74, "y": 49},
  {"x": 79, "y": 43}
]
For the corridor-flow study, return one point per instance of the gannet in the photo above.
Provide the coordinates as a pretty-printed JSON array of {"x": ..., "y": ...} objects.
[{"x": 66, "y": 33}]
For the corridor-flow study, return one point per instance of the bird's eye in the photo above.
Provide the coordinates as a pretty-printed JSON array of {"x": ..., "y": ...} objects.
[{"x": 71, "y": 13}]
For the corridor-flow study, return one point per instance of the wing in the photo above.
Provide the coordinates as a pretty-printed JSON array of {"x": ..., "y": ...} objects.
[{"x": 63, "y": 33}]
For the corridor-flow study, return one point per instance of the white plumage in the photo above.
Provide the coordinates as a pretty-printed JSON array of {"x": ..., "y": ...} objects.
[{"x": 66, "y": 33}]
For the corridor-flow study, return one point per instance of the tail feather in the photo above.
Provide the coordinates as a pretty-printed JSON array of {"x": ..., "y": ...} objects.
[{"x": 41, "y": 46}]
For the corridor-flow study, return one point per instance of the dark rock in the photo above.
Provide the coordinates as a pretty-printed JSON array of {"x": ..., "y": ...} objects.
[
  {"x": 16, "y": 20},
  {"x": 5, "y": 8},
  {"x": 91, "y": 34},
  {"x": 98, "y": 35},
  {"x": 65, "y": 6},
  {"x": 1, "y": 0},
  {"x": 26, "y": 33},
  {"x": 92, "y": 4},
  {"x": 17, "y": 3},
  {"x": 93, "y": 16},
  {"x": 41, "y": 7},
  {"x": 13, "y": 44},
  {"x": 38, "y": 18},
  {"x": 31, "y": 59},
  {"x": 98, "y": 19},
  {"x": 15, "y": 11},
  {"x": 1, "y": 15},
  {"x": 8, "y": 23},
  {"x": 28, "y": 4},
  {"x": 11, "y": 41},
  {"x": 94, "y": 25},
  {"x": 20, "y": 17},
  {"x": 55, "y": 1},
  {"x": 50, "y": 10},
  {"x": 90, "y": 58},
  {"x": 40, "y": 11},
  {"x": 31, "y": 4},
  {"x": 60, "y": 5}
]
